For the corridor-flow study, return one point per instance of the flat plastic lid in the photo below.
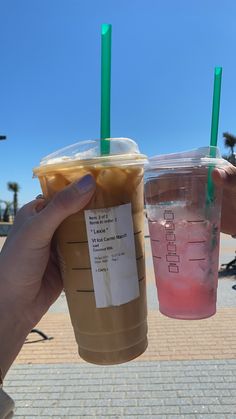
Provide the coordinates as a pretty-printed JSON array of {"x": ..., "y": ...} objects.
[
  {"x": 200, "y": 157},
  {"x": 123, "y": 152}
]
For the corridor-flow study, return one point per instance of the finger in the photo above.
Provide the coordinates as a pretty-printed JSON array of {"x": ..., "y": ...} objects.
[
  {"x": 52, "y": 281},
  {"x": 40, "y": 204},
  {"x": 23, "y": 215},
  {"x": 225, "y": 177},
  {"x": 65, "y": 203},
  {"x": 29, "y": 209}
]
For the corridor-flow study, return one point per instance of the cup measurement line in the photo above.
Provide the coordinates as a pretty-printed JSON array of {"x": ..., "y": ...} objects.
[
  {"x": 84, "y": 290},
  {"x": 76, "y": 242},
  {"x": 140, "y": 257},
  {"x": 195, "y": 221},
  {"x": 197, "y": 241},
  {"x": 140, "y": 280},
  {"x": 157, "y": 257},
  {"x": 137, "y": 232},
  {"x": 192, "y": 260},
  {"x": 155, "y": 240}
]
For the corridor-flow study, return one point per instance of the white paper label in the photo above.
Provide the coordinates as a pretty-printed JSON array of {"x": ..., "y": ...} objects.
[{"x": 112, "y": 255}]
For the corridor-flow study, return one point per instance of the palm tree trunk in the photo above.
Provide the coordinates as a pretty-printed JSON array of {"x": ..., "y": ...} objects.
[{"x": 15, "y": 203}]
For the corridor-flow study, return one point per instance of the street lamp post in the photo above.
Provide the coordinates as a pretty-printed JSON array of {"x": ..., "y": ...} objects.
[{"x": 2, "y": 137}]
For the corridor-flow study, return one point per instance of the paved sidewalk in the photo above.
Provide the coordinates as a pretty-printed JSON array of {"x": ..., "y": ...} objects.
[
  {"x": 188, "y": 370},
  {"x": 169, "y": 339},
  {"x": 193, "y": 389}
]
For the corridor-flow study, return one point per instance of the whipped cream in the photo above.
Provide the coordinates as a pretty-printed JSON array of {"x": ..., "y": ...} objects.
[{"x": 90, "y": 149}]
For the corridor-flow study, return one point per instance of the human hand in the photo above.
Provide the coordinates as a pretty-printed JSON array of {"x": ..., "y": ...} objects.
[
  {"x": 30, "y": 280},
  {"x": 226, "y": 178}
]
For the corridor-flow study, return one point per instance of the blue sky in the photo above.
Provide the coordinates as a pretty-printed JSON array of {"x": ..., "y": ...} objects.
[{"x": 163, "y": 59}]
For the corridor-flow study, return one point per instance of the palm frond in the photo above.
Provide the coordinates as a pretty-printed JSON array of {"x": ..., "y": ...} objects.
[
  {"x": 13, "y": 186},
  {"x": 230, "y": 140}
]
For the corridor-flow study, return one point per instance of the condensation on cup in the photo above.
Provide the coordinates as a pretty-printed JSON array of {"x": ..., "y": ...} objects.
[
  {"x": 101, "y": 249},
  {"x": 184, "y": 211}
]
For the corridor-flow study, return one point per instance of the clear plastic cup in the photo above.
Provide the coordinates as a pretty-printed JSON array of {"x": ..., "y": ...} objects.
[
  {"x": 184, "y": 210},
  {"x": 101, "y": 249}
]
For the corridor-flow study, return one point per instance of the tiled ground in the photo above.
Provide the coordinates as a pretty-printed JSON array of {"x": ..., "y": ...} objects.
[
  {"x": 160, "y": 389},
  {"x": 188, "y": 370},
  {"x": 213, "y": 338}
]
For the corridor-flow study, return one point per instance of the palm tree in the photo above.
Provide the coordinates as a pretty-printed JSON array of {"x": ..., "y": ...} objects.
[
  {"x": 230, "y": 142},
  {"x": 14, "y": 187}
]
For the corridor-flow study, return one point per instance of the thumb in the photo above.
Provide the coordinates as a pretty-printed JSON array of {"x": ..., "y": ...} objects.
[
  {"x": 225, "y": 177},
  {"x": 65, "y": 203}
]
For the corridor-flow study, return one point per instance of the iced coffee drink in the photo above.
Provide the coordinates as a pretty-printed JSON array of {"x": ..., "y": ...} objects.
[{"x": 101, "y": 249}]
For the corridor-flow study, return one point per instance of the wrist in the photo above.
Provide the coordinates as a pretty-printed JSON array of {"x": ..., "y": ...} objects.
[{"x": 13, "y": 332}]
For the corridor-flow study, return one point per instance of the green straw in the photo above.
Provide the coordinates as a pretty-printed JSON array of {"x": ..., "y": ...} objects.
[
  {"x": 105, "y": 89},
  {"x": 216, "y": 107},
  {"x": 214, "y": 128}
]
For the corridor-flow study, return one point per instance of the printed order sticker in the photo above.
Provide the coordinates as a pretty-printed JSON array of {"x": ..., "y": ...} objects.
[{"x": 112, "y": 255}]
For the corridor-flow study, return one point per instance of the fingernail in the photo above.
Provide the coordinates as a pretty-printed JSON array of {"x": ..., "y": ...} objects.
[
  {"x": 86, "y": 184},
  {"x": 41, "y": 205}
]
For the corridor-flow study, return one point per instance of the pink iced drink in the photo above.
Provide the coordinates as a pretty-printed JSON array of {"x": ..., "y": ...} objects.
[{"x": 185, "y": 250}]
